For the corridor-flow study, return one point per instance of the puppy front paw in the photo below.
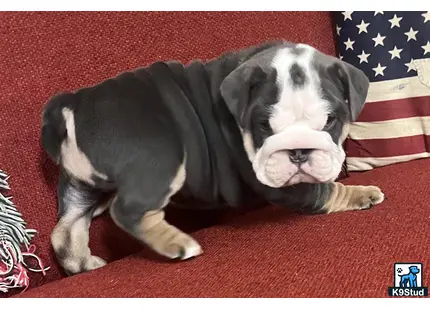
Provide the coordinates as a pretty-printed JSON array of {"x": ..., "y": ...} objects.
[
  {"x": 368, "y": 197},
  {"x": 353, "y": 197}
]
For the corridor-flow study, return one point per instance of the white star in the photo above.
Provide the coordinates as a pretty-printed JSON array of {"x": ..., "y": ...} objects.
[
  {"x": 410, "y": 65},
  {"x": 379, "y": 40},
  {"x": 347, "y": 15},
  {"x": 395, "y": 52},
  {"x": 379, "y": 70},
  {"x": 338, "y": 30},
  {"x": 363, "y": 57},
  {"x": 411, "y": 34},
  {"x": 378, "y": 12},
  {"x": 426, "y": 17},
  {"x": 340, "y": 57},
  {"x": 426, "y": 48},
  {"x": 362, "y": 27},
  {"x": 395, "y": 21},
  {"x": 349, "y": 44}
]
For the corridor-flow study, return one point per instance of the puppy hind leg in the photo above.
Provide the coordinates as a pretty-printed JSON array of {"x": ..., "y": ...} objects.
[
  {"x": 70, "y": 236},
  {"x": 352, "y": 197}
]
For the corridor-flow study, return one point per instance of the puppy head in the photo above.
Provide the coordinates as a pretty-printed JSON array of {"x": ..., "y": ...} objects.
[{"x": 293, "y": 105}]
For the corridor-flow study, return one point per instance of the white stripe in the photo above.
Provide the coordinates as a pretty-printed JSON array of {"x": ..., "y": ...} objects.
[
  {"x": 417, "y": 86},
  {"x": 403, "y": 127},
  {"x": 368, "y": 163}
]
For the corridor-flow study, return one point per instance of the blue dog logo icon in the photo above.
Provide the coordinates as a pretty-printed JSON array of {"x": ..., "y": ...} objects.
[{"x": 409, "y": 279}]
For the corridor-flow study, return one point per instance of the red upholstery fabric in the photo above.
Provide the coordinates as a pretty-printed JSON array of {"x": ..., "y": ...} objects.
[
  {"x": 46, "y": 52},
  {"x": 270, "y": 253}
]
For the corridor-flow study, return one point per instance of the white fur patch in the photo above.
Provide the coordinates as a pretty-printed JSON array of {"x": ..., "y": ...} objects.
[
  {"x": 275, "y": 170},
  {"x": 73, "y": 159},
  {"x": 297, "y": 121},
  {"x": 302, "y": 105}
]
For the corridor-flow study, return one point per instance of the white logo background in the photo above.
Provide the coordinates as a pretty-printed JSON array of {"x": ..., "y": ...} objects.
[{"x": 405, "y": 270}]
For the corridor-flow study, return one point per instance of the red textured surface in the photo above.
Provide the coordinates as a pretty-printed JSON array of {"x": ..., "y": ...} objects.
[
  {"x": 270, "y": 253},
  {"x": 45, "y": 52},
  {"x": 409, "y": 145},
  {"x": 401, "y": 108}
]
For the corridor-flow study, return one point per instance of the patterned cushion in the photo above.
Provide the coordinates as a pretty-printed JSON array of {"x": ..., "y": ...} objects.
[{"x": 393, "y": 50}]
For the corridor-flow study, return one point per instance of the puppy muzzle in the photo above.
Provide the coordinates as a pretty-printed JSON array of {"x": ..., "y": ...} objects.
[{"x": 285, "y": 158}]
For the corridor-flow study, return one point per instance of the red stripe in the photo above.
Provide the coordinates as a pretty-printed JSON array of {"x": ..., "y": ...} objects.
[
  {"x": 387, "y": 147},
  {"x": 395, "y": 109}
]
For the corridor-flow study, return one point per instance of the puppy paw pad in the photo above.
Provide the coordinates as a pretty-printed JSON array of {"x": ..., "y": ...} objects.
[
  {"x": 183, "y": 248},
  {"x": 370, "y": 196}
]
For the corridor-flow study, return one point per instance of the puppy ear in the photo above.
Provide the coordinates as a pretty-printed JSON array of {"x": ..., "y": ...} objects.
[
  {"x": 355, "y": 85},
  {"x": 236, "y": 89}
]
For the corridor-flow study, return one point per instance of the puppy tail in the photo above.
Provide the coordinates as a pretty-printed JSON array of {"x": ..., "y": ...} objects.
[{"x": 54, "y": 129}]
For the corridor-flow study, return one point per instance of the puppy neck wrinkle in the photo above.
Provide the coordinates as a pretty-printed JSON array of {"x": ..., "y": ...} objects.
[
  {"x": 229, "y": 173},
  {"x": 248, "y": 190},
  {"x": 210, "y": 169}
]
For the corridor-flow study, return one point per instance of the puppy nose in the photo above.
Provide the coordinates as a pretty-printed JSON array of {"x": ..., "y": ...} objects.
[{"x": 299, "y": 156}]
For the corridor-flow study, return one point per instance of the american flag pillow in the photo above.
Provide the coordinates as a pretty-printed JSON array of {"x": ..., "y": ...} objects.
[{"x": 393, "y": 50}]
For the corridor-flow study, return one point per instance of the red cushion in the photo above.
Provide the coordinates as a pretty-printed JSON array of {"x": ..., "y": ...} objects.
[
  {"x": 46, "y": 52},
  {"x": 271, "y": 253}
]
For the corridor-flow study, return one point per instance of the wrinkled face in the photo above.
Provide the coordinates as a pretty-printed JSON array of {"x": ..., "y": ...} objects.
[{"x": 297, "y": 114}]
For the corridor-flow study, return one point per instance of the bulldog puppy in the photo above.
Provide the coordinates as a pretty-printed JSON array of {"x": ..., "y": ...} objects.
[{"x": 266, "y": 121}]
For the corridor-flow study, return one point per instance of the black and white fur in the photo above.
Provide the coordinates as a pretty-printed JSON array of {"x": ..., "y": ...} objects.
[{"x": 257, "y": 120}]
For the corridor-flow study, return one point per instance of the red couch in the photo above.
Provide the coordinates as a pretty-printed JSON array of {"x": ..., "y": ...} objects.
[{"x": 267, "y": 252}]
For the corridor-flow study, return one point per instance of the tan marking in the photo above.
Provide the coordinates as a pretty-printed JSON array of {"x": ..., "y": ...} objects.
[
  {"x": 344, "y": 134},
  {"x": 60, "y": 233},
  {"x": 72, "y": 159},
  {"x": 248, "y": 144},
  {"x": 102, "y": 207},
  {"x": 70, "y": 238},
  {"x": 176, "y": 184},
  {"x": 166, "y": 239},
  {"x": 352, "y": 197},
  {"x": 179, "y": 180}
]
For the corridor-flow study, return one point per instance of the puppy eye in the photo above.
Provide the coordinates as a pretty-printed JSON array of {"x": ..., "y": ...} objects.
[
  {"x": 265, "y": 126},
  {"x": 330, "y": 120}
]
